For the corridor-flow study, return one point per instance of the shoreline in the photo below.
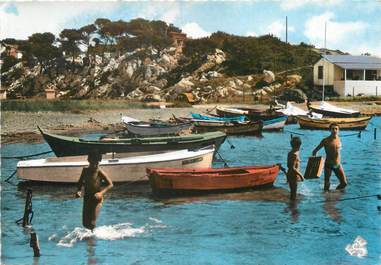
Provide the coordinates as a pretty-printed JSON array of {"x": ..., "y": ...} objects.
[{"x": 21, "y": 127}]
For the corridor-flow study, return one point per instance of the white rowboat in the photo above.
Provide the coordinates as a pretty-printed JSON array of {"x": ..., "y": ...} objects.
[{"x": 127, "y": 169}]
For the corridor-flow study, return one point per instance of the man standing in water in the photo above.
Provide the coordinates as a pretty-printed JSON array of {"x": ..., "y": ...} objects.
[
  {"x": 332, "y": 146},
  {"x": 91, "y": 179}
]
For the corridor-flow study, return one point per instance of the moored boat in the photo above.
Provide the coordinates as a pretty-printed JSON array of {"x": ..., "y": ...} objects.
[
  {"x": 251, "y": 113},
  {"x": 359, "y": 123},
  {"x": 329, "y": 110},
  {"x": 164, "y": 180},
  {"x": 275, "y": 124},
  {"x": 230, "y": 128},
  {"x": 124, "y": 169},
  {"x": 197, "y": 116},
  {"x": 156, "y": 129},
  {"x": 74, "y": 146}
]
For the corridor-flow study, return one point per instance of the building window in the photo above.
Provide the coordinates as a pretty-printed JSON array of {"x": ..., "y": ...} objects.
[
  {"x": 320, "y": 72},
  {"x": 370, "y": 74}
]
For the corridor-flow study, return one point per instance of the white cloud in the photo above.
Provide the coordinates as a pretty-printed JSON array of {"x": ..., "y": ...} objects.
[
  {"x": 193, "y": 30},
  {"x": 32, "y": 17},
  {"x": 167, "y": 11},
  {"x": 171, "y": 15},
  {"x": 278, "y": 28},
  {"x": 294, "y": 4},
  {"x": 337, "y": 32}
]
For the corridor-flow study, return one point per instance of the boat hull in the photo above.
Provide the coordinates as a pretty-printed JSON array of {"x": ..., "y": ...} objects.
[
  {"x": 73, "y": 146},
  {"x": 170, "y": 180},
  {"x": 228, "y": 128},
  {"x": 146, "y": 129},
  {"x": 344, "y": 123},
  {"x": 251, "y": 114},
  {"x": 327, "y": 113},
  {"x": 275, "y": 124},
  {"x": 68, "y": 169}
]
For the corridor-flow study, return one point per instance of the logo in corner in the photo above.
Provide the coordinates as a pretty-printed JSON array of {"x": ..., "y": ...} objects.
[{"x": 357, "y": 248}]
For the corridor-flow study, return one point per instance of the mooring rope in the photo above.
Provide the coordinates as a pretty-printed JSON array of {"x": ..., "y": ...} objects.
[
  {"x": 293, "y": 132},
  {"x": 223, "y": 160},
  {"x": 353, "y": 198},
  {"x": 26, "y": 156}
]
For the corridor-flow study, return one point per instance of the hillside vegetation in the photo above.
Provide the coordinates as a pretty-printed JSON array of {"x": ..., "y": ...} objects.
[{"x": 137, "y": 60}]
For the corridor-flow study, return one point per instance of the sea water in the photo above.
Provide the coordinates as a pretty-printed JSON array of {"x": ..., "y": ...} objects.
[{"x": 251, "y": 227}]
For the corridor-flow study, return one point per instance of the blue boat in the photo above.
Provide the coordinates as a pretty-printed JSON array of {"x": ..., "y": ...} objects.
[
  {"x": 222, "y": 119},
  {"x": 274, "y": 124}
]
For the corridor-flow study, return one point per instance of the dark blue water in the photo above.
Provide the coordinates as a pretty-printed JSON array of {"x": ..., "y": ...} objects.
[{"x": 257, "y": 227}]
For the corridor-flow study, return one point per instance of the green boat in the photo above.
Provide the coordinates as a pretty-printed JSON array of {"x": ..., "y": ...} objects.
[{"x": 73, "y": 146}]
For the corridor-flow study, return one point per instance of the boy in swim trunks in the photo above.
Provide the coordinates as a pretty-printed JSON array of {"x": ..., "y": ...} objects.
[
  {"x": 293, "y": 164},
  {"x": 91, "y": 179},
  {"x": 332, "y": 146}
]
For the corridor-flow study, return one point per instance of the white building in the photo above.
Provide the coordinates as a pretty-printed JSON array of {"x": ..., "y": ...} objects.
[{"x": 349, "y": 75}]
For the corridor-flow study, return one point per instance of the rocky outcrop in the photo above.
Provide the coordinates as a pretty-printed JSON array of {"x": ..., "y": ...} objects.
[{"x": 141, "y": 75}]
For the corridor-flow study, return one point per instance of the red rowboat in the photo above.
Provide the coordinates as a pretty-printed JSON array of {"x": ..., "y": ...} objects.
[{"x": 163, "y": 180}]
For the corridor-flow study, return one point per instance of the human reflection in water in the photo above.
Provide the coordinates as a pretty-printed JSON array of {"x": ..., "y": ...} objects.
[
  {"x": 292, "y": 208},
  {"x": 331, "y": 199},
  {"x": 91, "y": 260}
]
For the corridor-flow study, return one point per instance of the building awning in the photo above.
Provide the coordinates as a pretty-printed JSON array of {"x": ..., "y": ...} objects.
[
  {"x": 352, "y": 66},
  {"x": 355, "y": 62}
]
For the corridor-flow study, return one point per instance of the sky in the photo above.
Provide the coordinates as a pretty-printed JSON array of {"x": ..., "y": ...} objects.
[{"x": 352, "y": 26}]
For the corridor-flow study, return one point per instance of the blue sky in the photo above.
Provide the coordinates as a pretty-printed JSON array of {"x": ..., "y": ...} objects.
[{"x": 352, "y": 26}]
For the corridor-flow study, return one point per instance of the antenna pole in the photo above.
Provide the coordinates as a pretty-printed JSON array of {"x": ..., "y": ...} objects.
[{"x": 286, "y": 30}]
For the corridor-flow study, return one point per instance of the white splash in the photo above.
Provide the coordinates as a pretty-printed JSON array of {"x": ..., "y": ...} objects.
[
  {"x": 155, "y": 220},
  {"x": 106, "y": 232},
  {"x": 77, "y": 234},
  {"x": 118, "y": 231}
]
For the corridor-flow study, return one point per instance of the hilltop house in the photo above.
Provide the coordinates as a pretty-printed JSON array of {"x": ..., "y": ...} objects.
[{"x": 349, "y": 75}]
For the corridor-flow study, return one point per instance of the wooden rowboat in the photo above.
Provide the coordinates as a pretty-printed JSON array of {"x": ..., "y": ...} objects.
[
  {"x": 230, "y": 128},
  {"x": 344, "y": 123},
  {"x": 197, "y": 116},
  {"x": 74, "y": 146},
  {"x": 122, "y": 169},
  {"x": 251, "y": 113},
  {"x": 155, "y": 129},
  {"x": 275, "y": 124},
  {"x": 164, "y": 180}
]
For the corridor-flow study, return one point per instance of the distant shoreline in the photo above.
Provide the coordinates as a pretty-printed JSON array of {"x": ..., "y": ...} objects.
[{"x": 19, "y": 126}]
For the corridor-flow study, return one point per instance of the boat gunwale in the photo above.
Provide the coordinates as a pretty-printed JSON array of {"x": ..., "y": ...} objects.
[{"x": 57, "y": 164}]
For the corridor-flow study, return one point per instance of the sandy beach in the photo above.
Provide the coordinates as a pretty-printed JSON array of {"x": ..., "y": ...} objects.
[{"x": 22, "y": 126}]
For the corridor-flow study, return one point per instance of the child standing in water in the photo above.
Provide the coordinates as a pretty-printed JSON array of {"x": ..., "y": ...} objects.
[
  {"x": 91, "y": 179},
  {"x": 293, "y": 164}
]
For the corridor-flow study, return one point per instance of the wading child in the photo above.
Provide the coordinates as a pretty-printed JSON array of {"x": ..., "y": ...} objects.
[
  {"x": 332, "y": 146},
  {"x": 92, "y": 179},
  {"x": 293, "y": 164}
]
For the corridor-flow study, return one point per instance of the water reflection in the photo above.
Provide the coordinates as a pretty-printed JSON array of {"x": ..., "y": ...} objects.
[
  {"x": 292, "y": 208},
  {"x": 91, "y": 257},
  {"x": 329, "y": 205}
]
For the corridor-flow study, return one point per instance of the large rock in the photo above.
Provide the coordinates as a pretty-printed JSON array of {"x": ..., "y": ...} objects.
[{"x": 269, "y": 76}]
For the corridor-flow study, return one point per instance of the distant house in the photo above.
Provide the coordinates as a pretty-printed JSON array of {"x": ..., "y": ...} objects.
[
  {"x": 178, "y": 40},
  {"x": 349, "y": 75},
  {"x": 12, "y": 50}
]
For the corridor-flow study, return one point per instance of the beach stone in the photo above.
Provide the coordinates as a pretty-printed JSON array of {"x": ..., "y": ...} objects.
[{"x": 269, "y": 76}]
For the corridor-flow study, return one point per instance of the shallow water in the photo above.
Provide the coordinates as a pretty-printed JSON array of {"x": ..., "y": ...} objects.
[{"x": 252, "y": 227}]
